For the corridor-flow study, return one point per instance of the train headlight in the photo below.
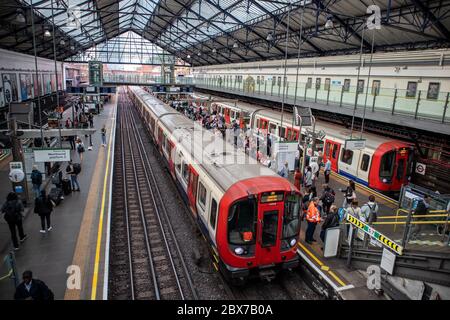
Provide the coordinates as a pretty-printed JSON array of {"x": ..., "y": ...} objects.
[
  {"x": 384, "y": 180},
  {"x": 293, "y": 242},
  {"x": 239, "y": 250}
]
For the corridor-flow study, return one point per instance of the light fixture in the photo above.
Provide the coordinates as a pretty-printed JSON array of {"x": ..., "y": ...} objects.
[
  {"x": 235, "y": 45},
  {"x": 62, "y": 42},
  {"x": 329, "y": 23},
  {"x": 47, "y": 33},
  {"x": 72, "y": 48},
  {"x": 214, "y": 50},
  {"x": 20, "y": 17},
  {"x": 269, "y": 37},
  {"x": 199, "y": 54},
  {"x": 188, "y": 56}
]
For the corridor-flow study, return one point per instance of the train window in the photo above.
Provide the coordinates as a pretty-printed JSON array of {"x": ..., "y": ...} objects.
[
  {"x": 242, "y": 222},
  {"x": 309, "y": 83},
  {"x": 232, "y": 114},
  {"x": 272, "y": 127},
  {"x": 185, "y": 172},
  {"x": 400, "y": 169},
  {"x": 347, "y": 156},
  {"x": 365, "y": 162},
  {"x": 411, "y": 89},
  {"x": 257, "y": 123},
  {"x": 327, "y": 149},
  {"x": 282, "y": 132},
  {"x": 291, "y": 216},
  {"x": 178, "y": 162},
  {"x": 269, "y": 228},
  {"x": 202, "y": 195},
  {"x": 387, "y": 164},
  {"x": 213, "y": 213},
  {"x": 335, "y": 150}
]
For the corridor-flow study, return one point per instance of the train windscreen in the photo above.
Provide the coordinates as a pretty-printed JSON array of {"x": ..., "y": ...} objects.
[
  {"x": 387, "y": 164},
  {"x": 291, "y": 216},
  {"x": 242, "y": 222}
]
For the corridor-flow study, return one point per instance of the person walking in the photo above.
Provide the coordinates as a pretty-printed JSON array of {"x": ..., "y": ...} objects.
[
  {"x": 91, "y": 120},
  {"x": 103, "y": 133},
  {"x": 73, "y": 169},
  {"x": 327, "y": 171},
  {"x": 327, "y": 198},
  {"x": 284, "y": 171},
  {"x": 43, "y": 206},
  {"x": 369, "y": 210},
  {"x": 72, "y": 142},
  {"x": 32, "y": 289},
  {"x": 331, "y": 221},
  {"x": 349, "y": 194},
  {"x": 313, "y": 218},
  {"x": 355, "y": 211},
  {"x": 80, "y": 148},
  {"x": 13, "y": 209},
  {"x": 36, "y": 180}
]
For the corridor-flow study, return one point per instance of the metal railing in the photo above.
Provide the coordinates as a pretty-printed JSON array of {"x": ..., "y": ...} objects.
[{"x": 418, "y": 104}]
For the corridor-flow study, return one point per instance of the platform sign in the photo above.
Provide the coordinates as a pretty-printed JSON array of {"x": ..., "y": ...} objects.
[
  {"x": 355, "y": 144},
  {"x": 375, "y": 234},
  {"x": 388, "y": 261},
  {"x": 15, "y": 165},
  {"x": 421, "y": 168},
  {"x": 303, "y": 114},
  {"x": 51, "y": 155}
]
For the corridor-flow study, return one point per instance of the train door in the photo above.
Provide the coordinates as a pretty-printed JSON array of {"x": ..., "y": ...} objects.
[
  {"x": 348, "y": 162},
  {"x": 263, "y": 123},
  {"x": 332, "y": 152},
  {"x": 269, "y": 221},
  {"x": 192, "y": 189},
  {"x": 400, "y": 175},
  {"x": 364, "y": 166},
  {"x": 226, "y": 114}
]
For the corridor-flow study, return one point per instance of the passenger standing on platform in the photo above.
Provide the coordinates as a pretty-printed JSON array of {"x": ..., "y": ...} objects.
[
  {"x": 43, "y": 206},
  {"x": 103, "y": 133},
  {"x": 91, "y": 120},
  {"x": 72, "y": 142},
  {"x": 36, "y": 180},
  {"x": 327, "y": 198},
  {"x": 423, "y": 206},
  {"x": 370, "y": 210},
  {"x": 13, "y": 209},
  {"x": 308, "y": 178},
  {"x": 349, "y": 194},
  {"x": 314, "y": 171},
  {"x": 80, "y": 148},
  {"x": 313, "y": 218},
  {"x": 355, "y": 211},
  {"x": 284, "y": 171},
  {"x": 68, "y": 123},
  {"x": 32, "y": 289},
  {"x": 327, "y": 171},
  {"x": 331, "y": 221},
  {"x": 269, "y": 144},
  {"x": 73, "y": 169}
]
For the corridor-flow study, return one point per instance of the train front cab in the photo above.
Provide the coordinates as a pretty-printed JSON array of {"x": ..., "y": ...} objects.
[
  {"x": 391, "y": 167},
  {"x": 258, "y": 233}
]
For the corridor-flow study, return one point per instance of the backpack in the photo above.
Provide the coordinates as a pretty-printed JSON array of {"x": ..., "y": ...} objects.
[
  {"x": 80, "y": 148},
  {"x": 36, "y": 177},
  {"x": 341, "y": 214},
  {"x": 11, "y": 212},
  {"x": 373, "y": 213},
  {"x": 329, "y": 197},
  {"x": 76, "y": 168}
]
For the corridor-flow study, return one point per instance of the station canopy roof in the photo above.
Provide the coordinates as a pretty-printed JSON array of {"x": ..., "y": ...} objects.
[{"x": 205, "y": 32}]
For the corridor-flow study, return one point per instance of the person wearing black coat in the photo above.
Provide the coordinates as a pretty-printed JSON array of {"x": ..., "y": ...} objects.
[
  {"x": 13, "y": 209},
  {"x": 332, "y": 220},
  {"x": 32, "y": 289},
  {"x": 43, "y": 206}
]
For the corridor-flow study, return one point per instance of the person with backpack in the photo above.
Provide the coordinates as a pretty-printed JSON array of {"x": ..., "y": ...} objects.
[
  {"x": 327, "y": 198},
  {"x": 331, "y": 221},
  {"x": 73, "y": 169},
  {"x": 327, "y": 171},
  {"x": 80, "y": 148},
  {"x": 308, "y": 181},
  {"x": 32, "y": 289},
  {"x": 13, "y": 209},
  {"x": 43, "y": 206},
  {"x": 349, "y": 194},
  {"x": 369, "y": 210},
  {"x": 36, "y": 180}
]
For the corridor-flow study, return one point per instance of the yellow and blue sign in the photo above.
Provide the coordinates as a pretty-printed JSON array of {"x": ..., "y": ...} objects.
[{"x": 375, "y": 234}]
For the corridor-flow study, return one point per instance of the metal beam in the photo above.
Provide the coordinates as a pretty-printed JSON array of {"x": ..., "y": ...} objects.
[{"x": 428, "y": 14}]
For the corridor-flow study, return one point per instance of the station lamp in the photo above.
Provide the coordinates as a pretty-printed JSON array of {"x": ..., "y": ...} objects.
[
  {"x": 20, "y": 17},
  {"x": 329, "y": 24},
  {"x": 214, "y": 50},
  {"x": 199, "y": 54},
  {"x": 72, "y": 47},
  {"x": 188, "y": 56},
  {"x": 269, "y": 37},
  {"x": 47, "y": 33},
  {"x": 235, "y": 45},
  {"x": 62, "y": 42}
]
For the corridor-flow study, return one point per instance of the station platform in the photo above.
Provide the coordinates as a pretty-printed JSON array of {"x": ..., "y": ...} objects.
[{"x": 70, "y": 258}]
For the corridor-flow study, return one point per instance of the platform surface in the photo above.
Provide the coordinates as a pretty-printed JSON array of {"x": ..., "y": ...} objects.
[{"x": 56, "y": 256}]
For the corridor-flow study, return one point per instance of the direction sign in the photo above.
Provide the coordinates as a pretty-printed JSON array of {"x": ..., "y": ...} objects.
[
  {"x": 355, "y": 144},
  {"x": 375, "y": 234}
]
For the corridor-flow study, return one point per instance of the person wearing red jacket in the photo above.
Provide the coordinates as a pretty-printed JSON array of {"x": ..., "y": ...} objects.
[{"x": 313, "y": 218}]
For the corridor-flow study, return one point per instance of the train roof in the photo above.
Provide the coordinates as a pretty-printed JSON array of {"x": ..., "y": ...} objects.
[
  {"x": 158, "y": 107},
  {"x": 333, "y": 131}
]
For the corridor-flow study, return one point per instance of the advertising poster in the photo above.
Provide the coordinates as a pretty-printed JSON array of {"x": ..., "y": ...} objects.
[
  {"x": 26, "y": 87},
  {"x": 47, "y": 84},
  {"x": 36, "y": 84},
  {"x": 53, "y": 82},
  {"x": 10, "y": 92},
  {"x": 433, "y": 90}
]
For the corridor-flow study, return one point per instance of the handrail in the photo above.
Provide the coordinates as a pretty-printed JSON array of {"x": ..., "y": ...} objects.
[{"x": 414, "y": 216}]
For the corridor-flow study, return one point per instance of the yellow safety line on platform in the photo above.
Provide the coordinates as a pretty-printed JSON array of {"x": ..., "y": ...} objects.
[
  {"x": 322, "y": 265},
  {"x": 100, "y": 225}
]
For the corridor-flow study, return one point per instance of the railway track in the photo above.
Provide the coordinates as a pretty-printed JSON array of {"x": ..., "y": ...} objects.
[{"x": 147, "y": 261}]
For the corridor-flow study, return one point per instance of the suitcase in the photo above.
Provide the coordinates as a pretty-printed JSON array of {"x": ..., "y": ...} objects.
[
  {"x": 55, "y": 195},
  {"x": 66, "y": 186}
]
